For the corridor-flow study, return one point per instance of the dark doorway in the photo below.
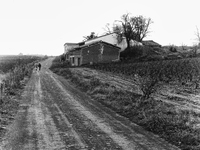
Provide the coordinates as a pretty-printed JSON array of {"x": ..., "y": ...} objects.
[{"x": 79, "y": 61}]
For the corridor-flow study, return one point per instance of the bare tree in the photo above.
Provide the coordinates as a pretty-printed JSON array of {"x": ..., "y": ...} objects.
[
  {"x": 125, "y": 28},
  {"x": 196, "y": 46},
  {"x": 140, "y": 25},
  {"x": 197, "y": 36},
  {"x": 108, "y": 29},
  {"x": 136, "y": 28}
]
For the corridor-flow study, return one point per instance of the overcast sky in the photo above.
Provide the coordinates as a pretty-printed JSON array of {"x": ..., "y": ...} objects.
[{"x": 43, "y": 26}]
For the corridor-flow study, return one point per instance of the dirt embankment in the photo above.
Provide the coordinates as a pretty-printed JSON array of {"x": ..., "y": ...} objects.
[{"x": 169, "y": 94}]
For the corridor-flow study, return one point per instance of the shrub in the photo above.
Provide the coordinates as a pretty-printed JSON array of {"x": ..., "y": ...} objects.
[
  {"x": 132, "y": 52},
  {"x": 17, "y": 74},
  {"x": 94, "y": 82},
  {"x": 58, "y": 64},
  {"x": 172, "y": 49},
  {"x": 148, "y": 85}
]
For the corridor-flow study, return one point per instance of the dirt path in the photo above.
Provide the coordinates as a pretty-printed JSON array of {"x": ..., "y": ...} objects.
[{"x": 53, "y": 115}]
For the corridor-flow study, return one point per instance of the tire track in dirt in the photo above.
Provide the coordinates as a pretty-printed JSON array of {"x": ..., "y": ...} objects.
[
  {"x": 47, "y": 134},
  {"x": 33, "y": 127},
  {"x": 89, "y": 133},
  {"x": 118, "y": 138},
  {"x": 76, "y": 136}
]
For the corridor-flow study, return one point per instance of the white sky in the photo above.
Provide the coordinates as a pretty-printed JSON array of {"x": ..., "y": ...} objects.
[{"x": 43, "y": 26}]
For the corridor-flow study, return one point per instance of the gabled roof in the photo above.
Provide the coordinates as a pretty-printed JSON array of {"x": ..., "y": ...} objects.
[
  {"x": 94, "y": 43},
  {"x": 83, "y": 42},
  {"x": 100, "y": 36},
  {"x": 150, "y": 43}
]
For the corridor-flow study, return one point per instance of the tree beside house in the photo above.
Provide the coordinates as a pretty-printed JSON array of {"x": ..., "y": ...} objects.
[{"x": 130, "y": 31}]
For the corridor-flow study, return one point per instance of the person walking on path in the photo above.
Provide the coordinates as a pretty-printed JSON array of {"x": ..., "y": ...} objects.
[{"x": 39, "y": 66}]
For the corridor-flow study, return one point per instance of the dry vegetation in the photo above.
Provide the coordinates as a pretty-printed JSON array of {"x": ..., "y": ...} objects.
[
  {"x": 17, "y": 70},
  {"x": 164, "y": 117}
]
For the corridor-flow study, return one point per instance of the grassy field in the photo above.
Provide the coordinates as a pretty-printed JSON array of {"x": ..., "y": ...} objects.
[
  {"x": 171, "y": 107},
  {"x": 8, "y": 62}
]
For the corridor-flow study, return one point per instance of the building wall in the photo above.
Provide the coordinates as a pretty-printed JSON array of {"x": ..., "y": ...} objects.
[
  {"x": 99, "y": 53},
  {"x": 76, "y": 52},
  {"x": 110, "y": 54},
  {"x": 75, "y": 58},
  {"x": 68, "y": 48},
  {"x": 91, "y": 54}
]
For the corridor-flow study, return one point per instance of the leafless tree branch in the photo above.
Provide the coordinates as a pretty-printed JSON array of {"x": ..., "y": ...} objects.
[{"x": 198, "y": 36}]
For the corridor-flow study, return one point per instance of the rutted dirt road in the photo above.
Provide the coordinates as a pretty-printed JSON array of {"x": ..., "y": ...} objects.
[{"x": 53, "y": 115}]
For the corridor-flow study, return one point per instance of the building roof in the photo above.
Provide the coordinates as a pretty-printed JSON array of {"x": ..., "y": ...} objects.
[
  {"x": 94, "y": 43},
  {"x": 100, "y": 36},
  {"x": 150, "y": 43},
  {"x": 80, "y": 43},
  {"x": 71, "y": 43}
]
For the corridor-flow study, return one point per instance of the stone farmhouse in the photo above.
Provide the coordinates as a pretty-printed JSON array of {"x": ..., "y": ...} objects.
[
  {"x": 105, "y": 48},
  {"x": 95, "y": 52}
]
